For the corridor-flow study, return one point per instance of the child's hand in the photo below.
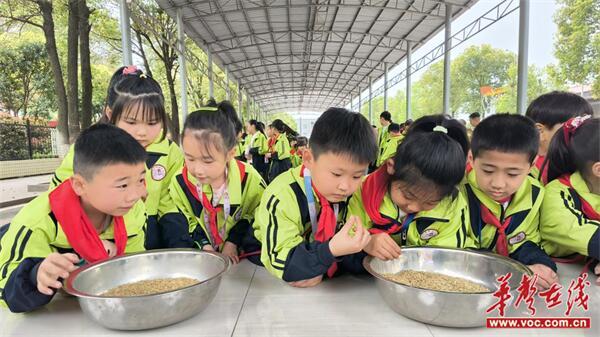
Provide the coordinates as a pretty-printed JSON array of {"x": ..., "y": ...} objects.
[
  {"x": 208, "y": 248},
  {"x": 345, "y": 243},
  {"x": 110, "y": 248},
  {"x": 546, "y": 276},
  {"x": 268, "y": 155},
  {"x": 597, "y": 272},
  {"x": 230, "y": 250},
  {"x": 307, "y": 283},
  {"x": 383, "y": 247},
  {"x": 52, "y": 268}
]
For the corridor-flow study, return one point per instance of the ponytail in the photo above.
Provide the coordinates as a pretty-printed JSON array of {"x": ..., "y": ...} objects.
[{"x": 573, "y": 147}]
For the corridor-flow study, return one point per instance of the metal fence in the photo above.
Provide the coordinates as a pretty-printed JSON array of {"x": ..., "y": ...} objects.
[{"x": 20, "y": 141}]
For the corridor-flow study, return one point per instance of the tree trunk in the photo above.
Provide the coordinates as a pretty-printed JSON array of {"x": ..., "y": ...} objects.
[
  {"x": 143, "y": 53},
  {"x": 72, "y": 76},
  {"x": 86, "y": 68},
  {"x": 59, "y": 84},
  {"x": 174, "y": 108}
]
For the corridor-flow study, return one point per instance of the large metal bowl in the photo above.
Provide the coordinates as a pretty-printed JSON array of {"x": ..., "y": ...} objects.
[
  {"x": 439, "y": 307},
  {"x": 151, "y": 311}
]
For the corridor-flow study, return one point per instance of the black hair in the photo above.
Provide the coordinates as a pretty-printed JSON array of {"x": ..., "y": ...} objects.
[
  {"x": 301, "y": 141},
  {"x": 104, "y": 144},
  {"x": 259, "y": 126},
  {"x": 386, "y": 115},
  {"x": 140, "y": 94},
  {"x": 582, "y": 149},
  {"x": 394, "y": 127},
  {"x": 506, "y": 133},
  {"x": 281, "y": 127},
  {"x": 211, "y": 103},
  {"x": 557, "y": 107},
  {"x": 117, "y": 76},
  {"x": 474, "y": 115},
  {"x": 433, "y": 155},
  {"x": 343, "y": 132},
  {"x": 229, "y": 110},
  {"x": 212, "y": 125}
]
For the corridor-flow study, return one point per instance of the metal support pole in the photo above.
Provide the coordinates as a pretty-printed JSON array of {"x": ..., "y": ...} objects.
[
  {"x": 359, "y": 100},
  {"x": 248, "y": 105},
  {"x": 408, "y": 81},
  {"x": 182, "y": 64},
  {"x": 447, "y": 47},
  {"x": 211, "y": 83},
  {"x": 370, "y": 100},
  {"x": 385, "y": 86},
  {"x": 125, "y": 33},
  {"x": 227, "y": 91},
  {"x": 239, "y": 103},
  {"x": 523, "y": 54}
]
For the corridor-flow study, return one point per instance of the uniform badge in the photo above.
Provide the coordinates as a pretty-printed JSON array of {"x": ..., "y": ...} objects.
[
  {"x": 428, "y": 234},
  {"x": 517, "y": 238},
  {"x": 158, "y": 172}
]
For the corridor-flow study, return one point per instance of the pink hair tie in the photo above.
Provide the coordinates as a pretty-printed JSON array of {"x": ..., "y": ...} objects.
[
  {"x": 572, "y": 125},
  {"x": 129, "y": 70}
]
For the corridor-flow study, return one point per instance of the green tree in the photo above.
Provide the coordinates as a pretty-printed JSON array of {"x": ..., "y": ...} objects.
[
  {"x": 577, "y": 42},
  {"x": 477, "y": 67},
  {"x": 286, "y": 118},
  {"x": 23, "y": 76}
]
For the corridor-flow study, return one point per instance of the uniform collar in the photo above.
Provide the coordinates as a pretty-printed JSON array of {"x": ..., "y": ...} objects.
[{"x": 521, "y": 200}]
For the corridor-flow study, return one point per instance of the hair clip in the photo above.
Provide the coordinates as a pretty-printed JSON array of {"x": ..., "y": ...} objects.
[
  {"x": 130, "y": 70},
  {"x": 572, "y": 125},
  {"x": 440, "y": 128}
]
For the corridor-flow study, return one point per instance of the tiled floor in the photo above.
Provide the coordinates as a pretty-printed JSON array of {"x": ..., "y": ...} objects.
[{"x": 252, "y": 303}]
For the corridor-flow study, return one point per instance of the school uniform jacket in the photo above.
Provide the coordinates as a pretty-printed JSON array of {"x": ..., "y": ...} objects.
[
  {"x": 443, "y": 226},
  {"x": 565, "y": 229},
  {"x": 244, "y": 194},
  {"x": 523, "y": 235},
  {"x": 289, "y": 250},
  {"x": 33, "y": 234},
  {"x": 164, "y": 159}
]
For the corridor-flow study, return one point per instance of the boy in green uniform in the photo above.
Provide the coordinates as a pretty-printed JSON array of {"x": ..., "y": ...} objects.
[
  {"x": 303, "y": 211},
  {"x": 95, "y": 214}
]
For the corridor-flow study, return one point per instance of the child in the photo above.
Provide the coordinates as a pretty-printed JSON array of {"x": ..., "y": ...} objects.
[
  {"x": 238, "y": 126},
  {"x": 100, "y": 202},
  {"x": 256, "y": 147},
  {"x": 413, "y": 198},
  {"x": 549, "y": 111},
  {"x": 217, "y": 193},
  {"x": 299, "y": 212},
  {"x": 570, "y": 213},
  {"x": 300, "y": 147},
  {"x": 139, "y": 110},
  {"x": 474, "y": 120},
  {"x": 279, "y": 149},
  {"x": 111, "y": 94},
  {"x": 504, "y": 202},
  {"x": 385, "y": 119},
  {"x": 389, "y": 149}
]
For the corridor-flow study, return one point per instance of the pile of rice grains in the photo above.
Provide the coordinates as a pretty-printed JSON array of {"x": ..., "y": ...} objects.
[
  {"x": 435, "y": 281},
  {"x": 150, "y": 287}
]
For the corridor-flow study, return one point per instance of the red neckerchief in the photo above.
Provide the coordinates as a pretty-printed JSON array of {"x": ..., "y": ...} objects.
[
  {"x": 213, "y": 212},
  {"x": 326, "y": 224},
  {"x": 543, "y": 175},
  {"x": 373, "y": 191},
  {"x": 79, "y": 230},
  {"x": 489, "y": 218}
]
